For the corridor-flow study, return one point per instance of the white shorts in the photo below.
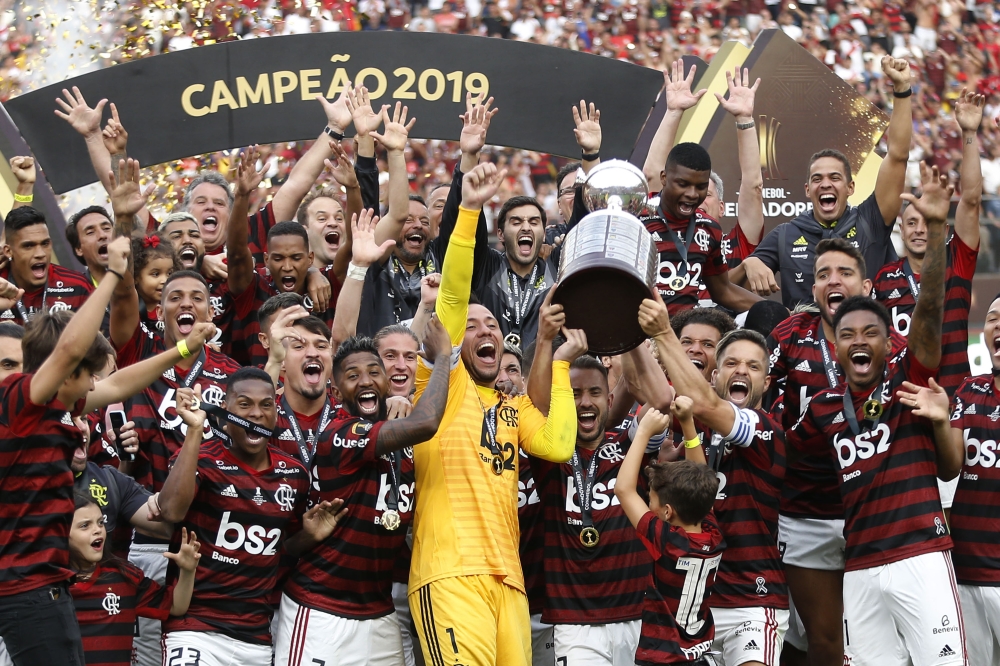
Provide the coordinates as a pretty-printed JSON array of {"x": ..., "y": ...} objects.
[
  {"x": 208, "y": 648},
  {"x": 147, "y": 645},
  {"x": 947, "y": 491},
  {"x": 542, "y": 653},
  {"x": 308, "y": 637},
  {"x": 811, "y": 543},
  {"x": 925, "y": 38},
  {"x": 406, "y": 633},
  {"x": 749, "y": 634},
  {"x": 981, "y": 612},
  {"x": 796, "y": 634},
  {"x": 596, "y": 644},
  {"x": 906, "y": 612}
]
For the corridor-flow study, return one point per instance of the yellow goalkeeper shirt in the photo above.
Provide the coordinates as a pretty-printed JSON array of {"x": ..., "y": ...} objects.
[{"x": 466, "y": 515}]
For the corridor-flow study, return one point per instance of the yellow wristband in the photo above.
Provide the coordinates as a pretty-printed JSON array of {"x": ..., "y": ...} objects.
[
  {"x": 182, "y": 347},
  {"x": 24, "y": 198},
  {"x": 692, "y": 443}
]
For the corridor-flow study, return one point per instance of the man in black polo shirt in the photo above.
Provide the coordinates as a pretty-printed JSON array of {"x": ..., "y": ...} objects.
[{"x": 790, "y": 247}]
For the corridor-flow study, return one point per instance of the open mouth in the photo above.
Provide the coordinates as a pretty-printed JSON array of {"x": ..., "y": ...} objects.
[
  {"x": 861, "y": 359},
  {"x": 255, "y": 439},
  {"x": 525, "y": 244},
  {"x": 399, "y": 380},
  {"x": 185, "y": 323},
  {"x": 188, "y": 256},
  {"x": 828, "y": 202},
  {"x": 39, "y": 270},
  {"x": 368, "y": 402},
  {"x": 102, "y": 251},
  {"x": 287, "y": 282},
  {"x": 834, "y": 299},
  {"x": 685, "y": 208},
  {"x": 996, "y": 346},
  {"x": 487, "y": 351},
  {"x": 97, "y": 545},
  {"x": 698, "y": 363},
  {"x": 79, "y": 454},
  {"x": 313, "y": 372},
  {"x": 210, "y": 223},
  {"x": 414, "y": 241},
  {"x": 587, "y": 421},
  {"x": 739, "y": 390},
  {"x": 332, "y": 239}
]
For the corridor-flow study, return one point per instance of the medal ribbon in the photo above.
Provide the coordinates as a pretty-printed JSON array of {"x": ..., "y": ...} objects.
[
  {"x": 195, "y": 372},
  {"x": 828, "y": 363},
  {"x": 392, "y": 501},
  {"x": 584, "y": 484},
  {"x": 21, "y": 310},
  {"x": 914, "y": 285},
  {"x": 306, "y": 449},
  {"x": 400, "y": 289},
  {"x": 682, "y": 248},
  {"x": 221, "y": 413},
  {"x": 521, "y": 301},
  {"x": 849, "y": 411}
]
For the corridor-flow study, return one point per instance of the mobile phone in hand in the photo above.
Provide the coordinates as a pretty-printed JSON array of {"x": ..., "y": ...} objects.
[{"x": 118, "y": 420}]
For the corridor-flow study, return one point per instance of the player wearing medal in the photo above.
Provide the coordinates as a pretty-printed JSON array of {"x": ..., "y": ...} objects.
[
  {"x": 466, "y": 587},
  {"x": 899, "y": 585},
  {"x": 338, "y": 599},
  {"x": 750, "y": 601},
  {"x": 245, "y": 501}
]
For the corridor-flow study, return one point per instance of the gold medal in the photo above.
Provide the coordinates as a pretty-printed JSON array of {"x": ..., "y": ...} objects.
[
  {"x": 497, "y": 465},
  {"x": 873, "y": 409},
  {"x": 678, "y": 283},
  {"x": 590, "y": 537},
  {"x": 390, "y": 519}
]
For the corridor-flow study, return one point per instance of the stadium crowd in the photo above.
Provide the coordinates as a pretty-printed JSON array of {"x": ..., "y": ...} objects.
[{"x": 324, "y": 410}]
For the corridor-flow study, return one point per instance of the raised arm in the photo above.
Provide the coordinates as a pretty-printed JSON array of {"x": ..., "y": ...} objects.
[
  {"x": 79, "y": 334},
  {"x": 342, "y": 168},
  {"x": 969, "y": 115},
  {"x": 892, "y": 174},
  {"x": 87, "y": 123},
  {"x": 677, "y": 88},
  {"x": 429, "y": 286},
  {"x": 475, "y": 123},
  {"x": 305, "y": 172},
  {"x": 644, "y": 379},
  {"x": 924, "y": 338},
  {"x": 115, "y": 139},
  {"x": 24, "y": 171},
  {"x": 424, "y": 420},
  {"x": 366, "y": 253},
  {"x": 588, "y": 134},
  {"x": 653, "y": 422},
  {"x": 393, "y": 139},
  {"x": 739, "y": 104},
  {"x": 182, "y": 483},
  {"x": 239, "y": 257},
  {"x": 551, "y": 320},
  {"x": 127, "y": 199}
]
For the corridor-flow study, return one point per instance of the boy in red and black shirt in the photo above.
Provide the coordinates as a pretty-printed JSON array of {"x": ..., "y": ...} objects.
[{"x": 680, "y": 533}]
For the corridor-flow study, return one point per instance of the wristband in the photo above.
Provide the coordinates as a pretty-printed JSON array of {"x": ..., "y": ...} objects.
[
  {"x": 114, "y": 272},
  {"x": 692, "y": 443},
  {"x": 590, "y": 157},
  {"x": 356, "y": 272},
  {"x": 334, "y": 134},
  {"x": 24, "y": 198},
  {"x": 745, "y": 126},
  {"x": 182, "y": 347},
  {"x": 902, "y": 95}
]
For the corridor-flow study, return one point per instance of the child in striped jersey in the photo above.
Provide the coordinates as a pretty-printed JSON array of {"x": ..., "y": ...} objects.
[
  {"x": 109, "y": 593},
  {"x": 680, "y": 533}
]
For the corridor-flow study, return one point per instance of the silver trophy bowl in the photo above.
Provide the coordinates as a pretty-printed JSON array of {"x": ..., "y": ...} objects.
[{"x": 618, "y": 185}]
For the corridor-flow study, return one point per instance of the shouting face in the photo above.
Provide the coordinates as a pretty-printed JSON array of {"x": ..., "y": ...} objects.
[
  {"x": 683, "y": 190},
  {"x": 741, "y": 376},
  {"x": 838, "y": 276},
  {"x": 482, "y": 346},
  {"x": 362, "y": 385},
  {"x": 288, "y": 260},
  {"x": 828, "y": 189},
  {"x": 325, "y": 223},
  {"x": 209, "y": 204},
  {"x": 522, "y": 235}
]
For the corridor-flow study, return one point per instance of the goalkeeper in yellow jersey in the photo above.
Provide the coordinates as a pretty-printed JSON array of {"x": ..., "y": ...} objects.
[{"x": 466, "y": 589}]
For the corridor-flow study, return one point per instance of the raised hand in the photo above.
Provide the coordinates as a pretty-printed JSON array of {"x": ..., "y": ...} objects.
[
  {"x": 338, "y": 116},
  {"x": 397, "y": 130},
  {"x": 475, "y": 124},
  {"x": 187, "y": 398},
  {"x": 969, "y": 110},
  {"x": 365, "y": 119},
  {"x": 574, "y": 347},
  {"x": 588, "y": 127},
  {"x": 682, "y": 410},
  {"x": 24, "y": 169},
  {"x": 187, "y": 556},
  {"x": 214, "y": 267},
  {"x": 82, "y": 118},
  {"x": 201, "y": 333},
  {"x": 128, "y": 198},
  {"x": 118, "y": 253},
  {"x": 429, "y": 286},
  {"x": 653, "y": 422},
  {"x": 364, "y": 250},
  {"x": 247, "y": 176},
  {"x": 678, "y": 87},
  {"x": 397, "y": 407},
  {"x": 551, "y": 318},
  {"x": 114, "y": 134},
  {"x": 319, "y": 521},
  {"x": 283, "y": 331},
  {"x": 653, "y": 316},
  {"x": 930, "y": 402},
  {"x": 319, "y": 290},
  {"x": 480, "y": 185},
  {"x": 897, "y": 70},
  {"x": 741, "y": 95},
  {"x": 9, "y": 295},
  {"x": 935, "y": 199},
  {"x": 437, "y": 342},
  {"x": 340, "y": 166}
]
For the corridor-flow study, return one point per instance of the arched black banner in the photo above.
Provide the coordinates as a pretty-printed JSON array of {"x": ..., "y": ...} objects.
[{"x": 261, "y": 91}]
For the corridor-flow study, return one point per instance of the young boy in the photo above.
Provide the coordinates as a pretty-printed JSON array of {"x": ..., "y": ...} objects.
[{"x": 680, "y": 533}]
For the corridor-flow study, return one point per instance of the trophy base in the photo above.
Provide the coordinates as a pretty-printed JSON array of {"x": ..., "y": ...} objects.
[{"x": 604, "y": 301}]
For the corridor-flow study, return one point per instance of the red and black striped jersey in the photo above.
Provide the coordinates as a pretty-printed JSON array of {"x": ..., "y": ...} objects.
[
  {"x": 259, "y": 224},
  {"x": 350, "y": 574},
  {"x": 107, "y": 606},
  {"x": 750, "y": 463},
  {"x": 680, "y": 281},
  {"x": 161, "y": 431},
  {"x": 531, "y": 546},
  {"x": 892, "y": 289},
  {"x": 284, "y": 436},
  {"x": 605, "y": 583},
  {"x": 887, "y": 472},
  {"x": 677, "y": 625},
  {"x": 36, "y": 487},
  {"x": 975, "y": 524},
  {"x": 242, "y": 341},
  {"x": 736, "y": 246},
  {"x": 810, "y": 487},
  {"x": 241, "y": 516},
  {"x": 65, "y": 290}
]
